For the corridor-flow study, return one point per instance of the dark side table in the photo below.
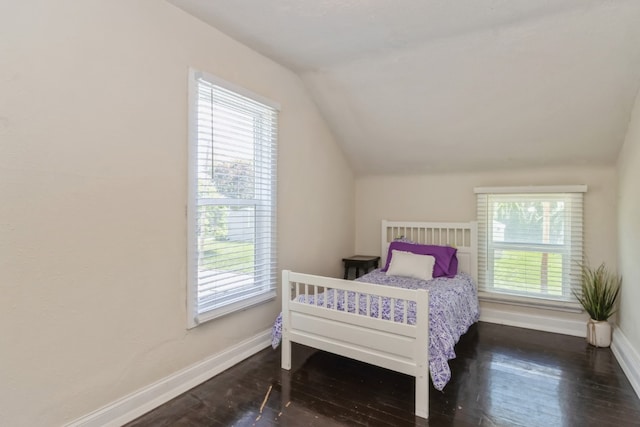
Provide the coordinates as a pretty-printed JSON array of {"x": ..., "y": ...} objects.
[{"x": 364, "y": 262}]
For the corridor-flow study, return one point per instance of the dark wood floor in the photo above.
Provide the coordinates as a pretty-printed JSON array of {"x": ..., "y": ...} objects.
[{"x": 503, "y": 376}]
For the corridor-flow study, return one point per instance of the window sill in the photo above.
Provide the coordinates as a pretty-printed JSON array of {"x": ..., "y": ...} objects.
[
  {"x": 232, "y": 308},
  {"x": 571, "y": 307}
]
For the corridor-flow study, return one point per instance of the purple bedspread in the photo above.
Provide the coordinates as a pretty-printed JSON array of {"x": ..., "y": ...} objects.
[{"x": 453, "y": 307}]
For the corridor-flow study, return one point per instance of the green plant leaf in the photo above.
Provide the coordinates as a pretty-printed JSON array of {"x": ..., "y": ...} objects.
[{"x": 599, "y": 291}]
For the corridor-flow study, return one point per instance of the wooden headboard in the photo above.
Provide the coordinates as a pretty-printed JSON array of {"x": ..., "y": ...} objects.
[{"x": 461, "y": 235}]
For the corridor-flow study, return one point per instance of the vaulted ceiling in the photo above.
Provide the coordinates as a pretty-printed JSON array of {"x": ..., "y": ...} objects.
[{"x": 420, "y": 86}]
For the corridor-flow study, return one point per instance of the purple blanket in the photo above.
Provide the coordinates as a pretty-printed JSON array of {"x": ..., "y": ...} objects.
[{"x": 453, "y": 307}]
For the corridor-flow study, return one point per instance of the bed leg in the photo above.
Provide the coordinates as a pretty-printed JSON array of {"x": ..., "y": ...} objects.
[
  {"x": 286, "y": 342},
  {"x": 422, "y": 354},
  {"x": 422, "y": 396},
  {"x": 286, "y": 354}
]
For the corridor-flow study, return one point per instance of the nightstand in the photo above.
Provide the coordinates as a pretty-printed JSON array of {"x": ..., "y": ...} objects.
[{"x": 364, "y": 262}]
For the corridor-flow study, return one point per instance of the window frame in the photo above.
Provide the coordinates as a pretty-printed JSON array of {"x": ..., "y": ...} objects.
[
  {"x": 487, "y": 290},
  {"x": 254, "y": 295}
]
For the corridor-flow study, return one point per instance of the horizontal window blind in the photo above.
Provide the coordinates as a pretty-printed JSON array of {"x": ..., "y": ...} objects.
[
  {"x": 233, "y": 187},
  {"x": 530, "y": 247}
]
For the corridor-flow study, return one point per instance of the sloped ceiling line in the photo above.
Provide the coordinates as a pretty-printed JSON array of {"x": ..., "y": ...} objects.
[{"x": 433, "y": 86}]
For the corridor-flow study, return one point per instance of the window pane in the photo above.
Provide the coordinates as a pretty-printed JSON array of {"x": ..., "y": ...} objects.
[
  {"x": 527, "y": 272},
  {"x": 234, "y": 179},
  {"x": 227, "y": 237},
  {"x": 535, "y": 221}
]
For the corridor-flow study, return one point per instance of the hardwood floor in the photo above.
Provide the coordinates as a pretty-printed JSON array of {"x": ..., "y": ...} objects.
[{"x": 502, "y": 376}]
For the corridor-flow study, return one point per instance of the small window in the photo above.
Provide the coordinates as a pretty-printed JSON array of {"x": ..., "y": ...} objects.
[
  {"x": 232, "y": 199},
  {"x": 530, "y": 244}
]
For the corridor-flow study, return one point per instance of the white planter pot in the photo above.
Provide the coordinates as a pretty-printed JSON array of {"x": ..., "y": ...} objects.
[{"x": 599, "y": 333}]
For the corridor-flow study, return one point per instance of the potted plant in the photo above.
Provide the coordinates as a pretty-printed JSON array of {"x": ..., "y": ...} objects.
[{"x": 600, "y": 288}]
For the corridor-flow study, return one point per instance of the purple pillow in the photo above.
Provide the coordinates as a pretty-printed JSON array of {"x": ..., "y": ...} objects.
[
  {"x": 446, "y": 260},
  {"x": 453, "y": 267}
]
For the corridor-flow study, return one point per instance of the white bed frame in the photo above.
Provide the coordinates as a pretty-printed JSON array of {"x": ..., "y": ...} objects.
[{"x": 398, "y": 346}]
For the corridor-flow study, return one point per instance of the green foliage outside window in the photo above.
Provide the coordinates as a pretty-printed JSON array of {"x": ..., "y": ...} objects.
[
  {"x": 517, "y": 270},
  {"x": 232, "y": 180}
]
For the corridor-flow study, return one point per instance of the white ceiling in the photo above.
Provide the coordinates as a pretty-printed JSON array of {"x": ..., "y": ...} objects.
[{"x": 420, "y": 86}]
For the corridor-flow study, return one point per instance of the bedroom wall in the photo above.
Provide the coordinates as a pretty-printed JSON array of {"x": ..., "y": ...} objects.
[
  {"x": 93, "y": 178},
  {"x": 450, "y": 197},
  {"x": 629, "y": 235}
]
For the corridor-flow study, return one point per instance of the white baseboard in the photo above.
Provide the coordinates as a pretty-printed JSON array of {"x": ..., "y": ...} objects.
[
  {"x": 142, "y": 401},
  {"x": 627, "y": 357},
  {"x": 548, "y": 323}
]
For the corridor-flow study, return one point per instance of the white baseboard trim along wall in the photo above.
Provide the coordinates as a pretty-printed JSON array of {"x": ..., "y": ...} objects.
[
  {"x": 138, "y": 403},
  {"x": 627, "y": 357},
  {"x": 547, "y": 323}
]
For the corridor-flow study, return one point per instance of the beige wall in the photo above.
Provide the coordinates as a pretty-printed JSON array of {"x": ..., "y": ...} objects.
[
  {"x": 93, "y": 131},
  {"x": 629, "y": 230},
  {"x": 451, "y": 198}
]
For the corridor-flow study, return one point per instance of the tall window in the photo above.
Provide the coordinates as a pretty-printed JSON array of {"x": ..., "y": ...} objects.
[
  {"x": 530, "y": 244},
  {"x": 232, "y": 198}
]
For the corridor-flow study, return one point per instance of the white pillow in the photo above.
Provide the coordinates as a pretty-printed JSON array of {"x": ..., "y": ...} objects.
[{"x": 411, "y": 265}]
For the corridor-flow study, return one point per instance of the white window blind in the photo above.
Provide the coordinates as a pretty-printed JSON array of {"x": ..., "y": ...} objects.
[
  {"x": 232, "y": 206},
  {"x": 530, "y": 245}
]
